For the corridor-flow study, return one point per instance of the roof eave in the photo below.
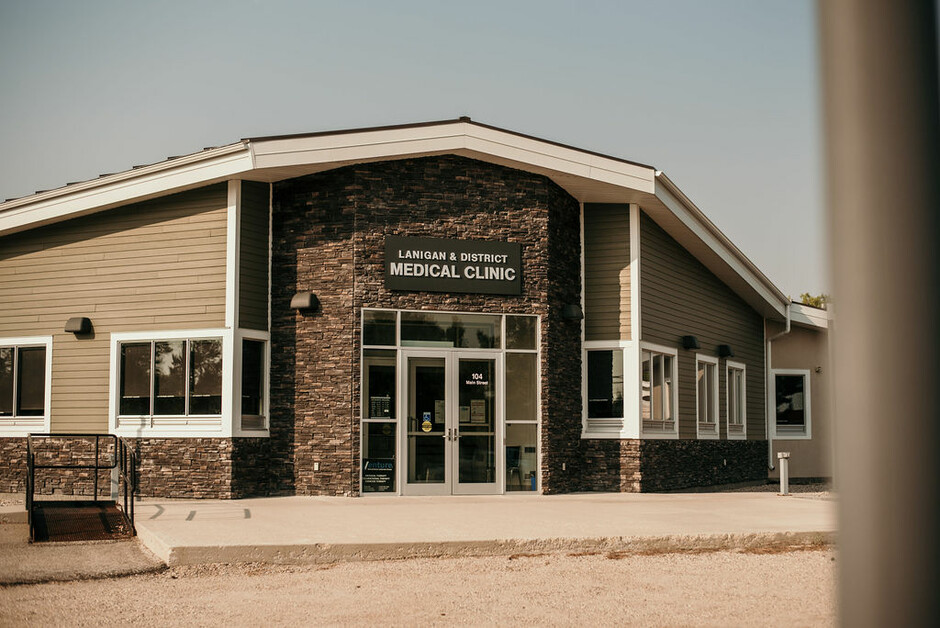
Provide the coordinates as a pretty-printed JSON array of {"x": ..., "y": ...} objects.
[
  {"x": 771, "y": 302},
  {"x": 165, "y": 177}
]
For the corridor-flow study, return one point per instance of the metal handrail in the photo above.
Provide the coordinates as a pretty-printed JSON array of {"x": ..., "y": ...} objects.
[
  {"x": 127, "y": 470},
  {"x": 124, "y": 459}
]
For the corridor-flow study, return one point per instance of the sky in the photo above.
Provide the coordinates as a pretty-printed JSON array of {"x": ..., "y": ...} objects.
[{"x": 722, "y": 95}]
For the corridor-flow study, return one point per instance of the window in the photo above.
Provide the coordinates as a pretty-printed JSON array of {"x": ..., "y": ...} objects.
[
  {"x": 24, "y": 384},
  {"x": 791, "y": 394},
  {"x": 605, "y": 388},
  {"x": 252, "y": 384},
  {"x": 657, "y": 374},
  {"x": 737, "y": 400},
  {"x": 171, "y": 378},
  {"x": 706, "y": 396}
]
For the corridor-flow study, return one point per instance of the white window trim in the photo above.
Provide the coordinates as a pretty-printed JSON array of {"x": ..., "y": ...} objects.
[
  {"x": 807, "y": 404},
  {"x": 713, "y": 393},
  {"x": 671, "y": 351},
  {"x": 224, "y": 428},
  {"x": 607, "y": 427},
  {"x": 261, "y": 336},
  {"x": 7, "y": 428},
  {"x": 729, "y": 364}
]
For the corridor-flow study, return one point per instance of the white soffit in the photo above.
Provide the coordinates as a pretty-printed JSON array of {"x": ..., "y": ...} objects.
[
  {"x": 294, "y": 156},
  {"x": 809, "y": 316}
]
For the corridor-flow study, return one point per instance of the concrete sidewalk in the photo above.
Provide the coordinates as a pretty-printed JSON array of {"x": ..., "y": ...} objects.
[{"x": 331, "y": 529}]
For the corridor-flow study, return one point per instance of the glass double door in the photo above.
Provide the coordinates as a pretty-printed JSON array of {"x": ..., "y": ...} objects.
[{"x": 453, "y": 422}]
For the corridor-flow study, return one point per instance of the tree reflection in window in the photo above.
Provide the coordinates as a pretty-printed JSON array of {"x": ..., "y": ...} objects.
[{"x": 154, "y": 378}]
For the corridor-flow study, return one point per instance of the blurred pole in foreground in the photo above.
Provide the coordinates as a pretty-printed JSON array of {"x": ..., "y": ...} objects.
[{"x": 881, "y": 124}]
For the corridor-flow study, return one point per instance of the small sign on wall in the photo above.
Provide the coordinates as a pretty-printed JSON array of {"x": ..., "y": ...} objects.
[{"x": 441, "y": 265}]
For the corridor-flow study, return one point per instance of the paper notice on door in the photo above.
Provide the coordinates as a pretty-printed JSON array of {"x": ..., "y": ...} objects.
[
  {"x": 464, "y": 414},
  {"x": 478, "y": 410},
  {"x": 439, "y": 411}
]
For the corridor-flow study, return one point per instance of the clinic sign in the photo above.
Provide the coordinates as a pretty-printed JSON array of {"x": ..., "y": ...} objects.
[{"x": 440, "y": 265}]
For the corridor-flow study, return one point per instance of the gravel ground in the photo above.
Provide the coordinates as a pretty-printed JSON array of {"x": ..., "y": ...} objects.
[
  {"x": 817, "y": 490},
  {"x": 707, "y": 589}
]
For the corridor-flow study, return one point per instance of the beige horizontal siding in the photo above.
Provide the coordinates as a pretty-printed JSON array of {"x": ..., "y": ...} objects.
[
  {"x": 149, "y": 266},
  {"x": 606, "y": 271},
  {"x": 680, "y": 297},
  {"x": 253, "y": 267}
]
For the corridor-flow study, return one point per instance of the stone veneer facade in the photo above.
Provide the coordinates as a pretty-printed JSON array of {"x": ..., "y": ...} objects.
[
  {"x": 329, "y": 238},
  {"x": 633, "y": 465}
]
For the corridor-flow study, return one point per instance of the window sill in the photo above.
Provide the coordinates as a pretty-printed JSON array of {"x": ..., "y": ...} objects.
[
  {"x": 22, "y": 427},
  {"x": 648, "y": 435},
  {"x": 789, "y": 436}
]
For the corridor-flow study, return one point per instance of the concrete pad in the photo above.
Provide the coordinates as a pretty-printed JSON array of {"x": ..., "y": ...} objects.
[
  {"x": 25, "y": 563},
  {"x": 327, "y": 529}
]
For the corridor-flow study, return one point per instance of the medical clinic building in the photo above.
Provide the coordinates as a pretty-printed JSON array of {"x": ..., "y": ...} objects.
[{"x": 440, "y": 308}]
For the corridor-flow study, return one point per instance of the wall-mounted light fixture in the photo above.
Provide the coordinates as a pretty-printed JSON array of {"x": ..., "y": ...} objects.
[
  {"x": 305, "y": 301},
  {"x": 572, "y": 311},
  {"x": 690, "y": 342},
  {"x": 724, "y": 351},
  {"x": 78, "y": 325}
]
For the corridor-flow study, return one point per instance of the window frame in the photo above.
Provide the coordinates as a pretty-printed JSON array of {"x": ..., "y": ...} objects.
[
  {"x": 731, "y": 365},
  {"x": 177, "y": 426},
  {"x": 713, "y": 398},
  {"x": 23, "y": 425},
  {"x": 603, "y": 426},
  {"x": 400, "y": 346},
  {"x": 265, "y": 338},
  {"x": 648, "y": 432},
  {"x": 807, "y": 433}
]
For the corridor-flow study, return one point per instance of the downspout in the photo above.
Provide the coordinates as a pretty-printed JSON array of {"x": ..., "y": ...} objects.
[{"x": 770, "y": 402}]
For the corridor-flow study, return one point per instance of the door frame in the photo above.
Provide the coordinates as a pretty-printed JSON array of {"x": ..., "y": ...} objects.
[{"x": 451, "y": 484}]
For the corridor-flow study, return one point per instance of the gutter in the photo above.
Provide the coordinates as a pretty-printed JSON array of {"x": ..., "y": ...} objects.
[{"x": 770, "y": 402}]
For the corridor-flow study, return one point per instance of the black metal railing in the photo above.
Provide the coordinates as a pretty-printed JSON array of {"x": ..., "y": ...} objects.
[{"x": 123, "y": 458}]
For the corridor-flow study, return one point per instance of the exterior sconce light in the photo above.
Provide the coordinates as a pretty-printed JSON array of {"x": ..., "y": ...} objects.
[
  {"x": 78, "y": 325},
  {"x": 572, "y": 311},
  {"x": 724, "y": 351},
  {"x": 690, "y": 342},
  {"x": 305, "y": 301}
]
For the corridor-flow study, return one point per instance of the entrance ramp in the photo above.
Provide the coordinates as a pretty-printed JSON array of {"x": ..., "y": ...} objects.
[
  {"x": 80, "y": 456},
  {"x": 79, "y": 521}
]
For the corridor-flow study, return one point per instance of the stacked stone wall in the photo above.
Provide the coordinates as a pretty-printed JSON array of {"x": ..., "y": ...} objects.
[{"x": 329, "y": 238}]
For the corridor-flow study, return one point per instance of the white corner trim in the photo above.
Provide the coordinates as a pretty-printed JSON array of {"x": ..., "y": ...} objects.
[
  {"x": 22, "y": 431},
  {"x": 731, "y": 364},
  {"x": 270, "y": 248},
  {"x": 635, "y": 315},
  {"x": 633, "y": 386},
  {"x": 232, "y": 246}
]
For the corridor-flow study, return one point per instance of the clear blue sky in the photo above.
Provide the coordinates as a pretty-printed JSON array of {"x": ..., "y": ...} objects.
[{"x": 722, "y": 95}]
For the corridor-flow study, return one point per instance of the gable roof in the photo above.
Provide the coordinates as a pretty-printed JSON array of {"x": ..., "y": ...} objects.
[{"x": 588, "y": 176}]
